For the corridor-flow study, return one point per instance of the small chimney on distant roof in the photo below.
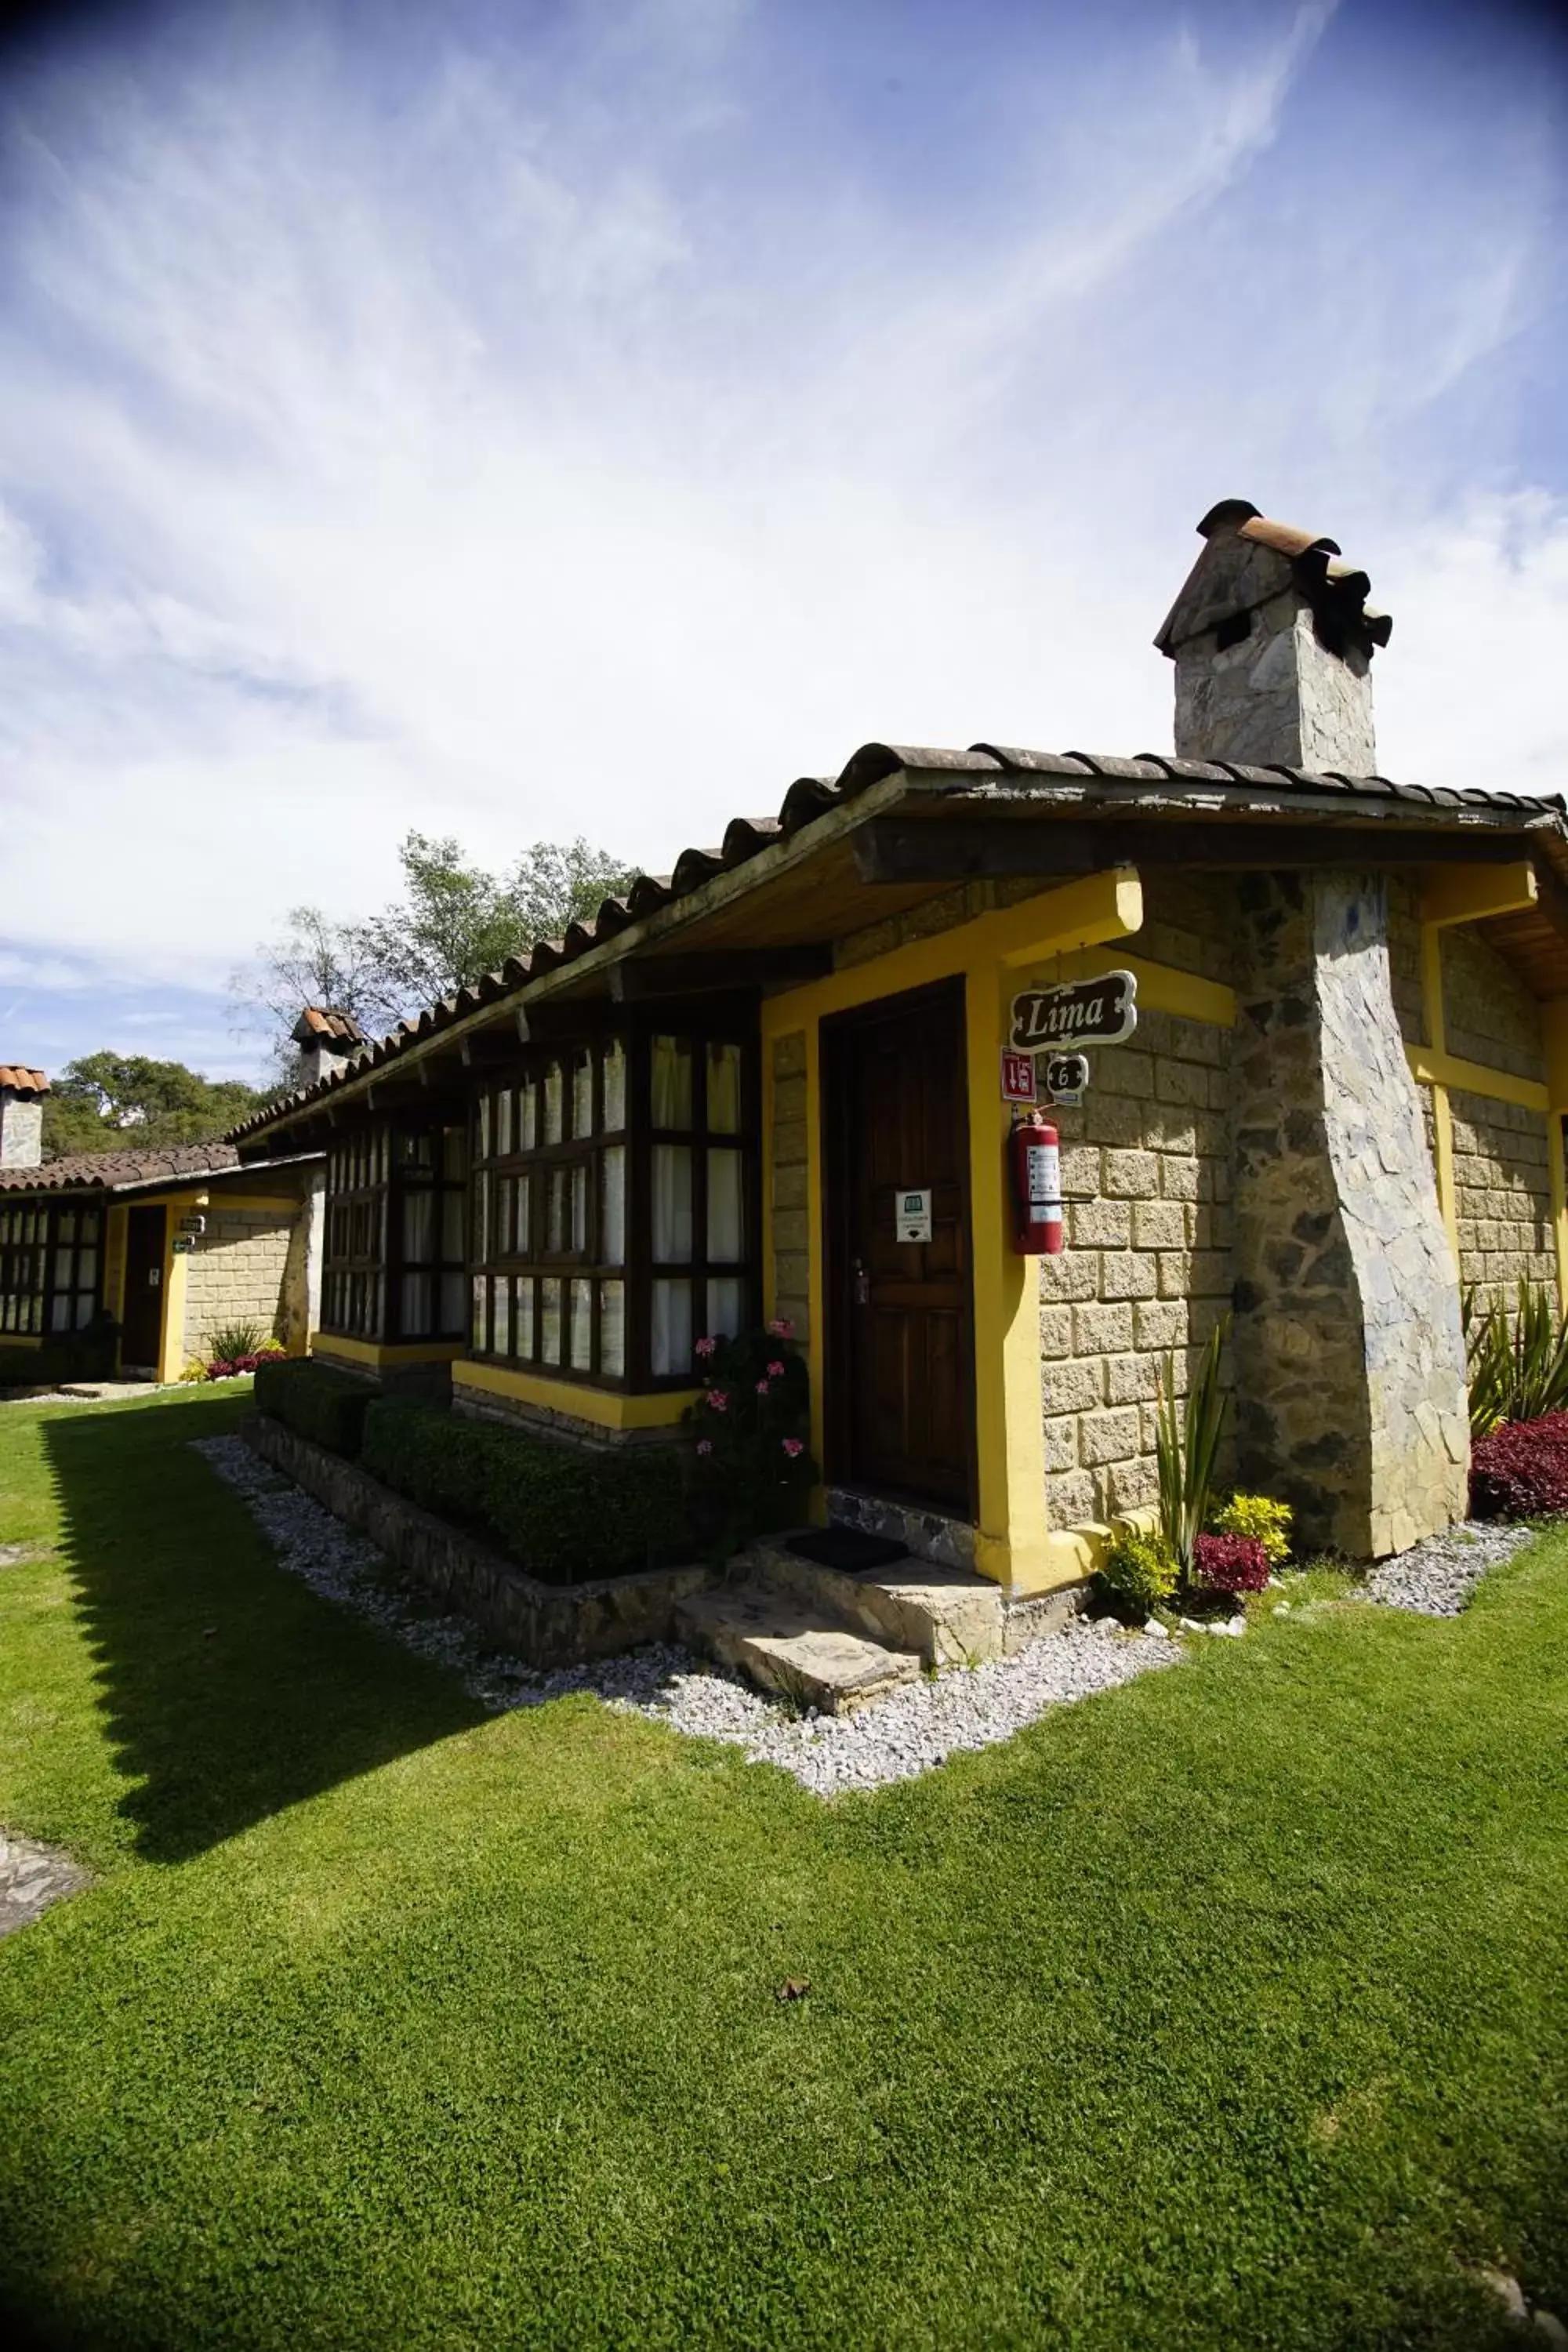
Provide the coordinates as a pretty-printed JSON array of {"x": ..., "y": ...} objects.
[
  {"x": 22, "y": 1093},
  {"x": 326, "y": 1039},
  {"x": 1273, "y": 639}
]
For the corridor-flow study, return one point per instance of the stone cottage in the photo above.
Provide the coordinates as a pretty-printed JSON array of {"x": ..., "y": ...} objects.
[{"x": 781, "y": 1081}]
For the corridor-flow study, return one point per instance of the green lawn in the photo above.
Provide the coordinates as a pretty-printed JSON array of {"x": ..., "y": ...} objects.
[{"x": 1229, "y": 2009}]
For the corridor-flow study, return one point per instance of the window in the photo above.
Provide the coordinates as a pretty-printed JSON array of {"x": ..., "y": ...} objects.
[
  {"x": 73, "y": 1267},
  {"x": 23, "y": 1266},
  {"x": 51, "y": 1259},
  {"x": 430, "y": 1181},
  {"x": 353, "y": 1281},
  {"x": 395, "y": 1247},
  {"x": 611, "y": 1208}
]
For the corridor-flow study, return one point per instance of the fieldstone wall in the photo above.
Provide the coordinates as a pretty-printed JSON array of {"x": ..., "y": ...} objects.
[
  {"x": 1278, "y": 696},
  {"x": 1502, "y": 1195},
  {"x": 237, "y": 1272},
  {"x": 1350, "y": 1364},
  {"x": 787, "y": 1239},
  {"x": 1147, "y": 1176}
]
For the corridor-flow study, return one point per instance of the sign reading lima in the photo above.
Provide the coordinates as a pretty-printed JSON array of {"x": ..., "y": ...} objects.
[{"x": 1102, "y": 1012}]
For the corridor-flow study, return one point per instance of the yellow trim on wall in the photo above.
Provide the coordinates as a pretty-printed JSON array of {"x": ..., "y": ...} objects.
[
  {"x": 989, "y": 952},
  {"x": 172, "y": 1327},
  {"x": 606, "y": 1408},
  {"x": 1470, "y": 893},
  {"x": 375, "y": 1355},
  {"x": 1447, "y": 1070},
  {"x": 1161, "y": 988},
  {"x": 9, "y": 1340}
]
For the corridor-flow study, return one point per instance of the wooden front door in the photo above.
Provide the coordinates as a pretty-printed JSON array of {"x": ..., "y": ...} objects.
[
  {"x": 141, "y": 1330},
  {"x": 900, "y": 1331}
]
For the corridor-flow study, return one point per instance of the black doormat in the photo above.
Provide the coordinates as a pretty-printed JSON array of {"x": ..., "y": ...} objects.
[{"x": 847, "y": 1548}]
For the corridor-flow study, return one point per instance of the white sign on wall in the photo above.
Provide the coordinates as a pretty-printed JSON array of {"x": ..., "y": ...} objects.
[{"x": 912, "y": 1213}]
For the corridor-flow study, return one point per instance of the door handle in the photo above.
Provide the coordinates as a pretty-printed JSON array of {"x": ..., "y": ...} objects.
[{"x": 862, "y": 1283}]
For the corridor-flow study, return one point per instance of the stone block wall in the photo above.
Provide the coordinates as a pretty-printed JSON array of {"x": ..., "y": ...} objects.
[
  {"x": 1502, "y": 1195},
  {"x": 237, "y": 1273},
  {"x": 1146, "y": 1172},
  {"x": 1489, "y": 1015},
  {"x": 787, "y": 1239}
]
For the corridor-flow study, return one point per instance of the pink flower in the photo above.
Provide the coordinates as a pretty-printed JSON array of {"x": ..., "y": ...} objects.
[
  {"x": 707, "y": 1347},
  {"x": 761, "y": 1388},
  {"x": 794, "y": 1445},
  {"x": 718, "y": 1400},
  {"x": 705, "y": 1445},
  {"x": 783, "y": 1330},
  {"x": 776, "y": 1372}
]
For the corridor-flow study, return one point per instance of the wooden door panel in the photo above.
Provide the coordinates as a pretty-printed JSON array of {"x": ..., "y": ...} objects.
[
  {"x": 142, "y": 1326},
  {"x": 901, "y": 1353}
]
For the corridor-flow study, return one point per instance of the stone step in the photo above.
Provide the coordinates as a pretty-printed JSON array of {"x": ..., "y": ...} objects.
[
  {"x": 948, "y": 1616},
  {"x": 786, "y": 1648}
]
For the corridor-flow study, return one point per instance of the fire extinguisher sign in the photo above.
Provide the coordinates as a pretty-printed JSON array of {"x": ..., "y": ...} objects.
[{"x": 1017, "y": 1077}]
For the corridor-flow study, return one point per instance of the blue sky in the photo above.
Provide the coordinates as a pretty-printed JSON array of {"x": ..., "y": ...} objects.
[{"x": 520, "y": 420}]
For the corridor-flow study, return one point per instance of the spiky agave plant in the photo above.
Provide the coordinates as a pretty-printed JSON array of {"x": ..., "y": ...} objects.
[
  {"x": 1187, "y": 1446},
  {"x": 1517, "y": 1368}
]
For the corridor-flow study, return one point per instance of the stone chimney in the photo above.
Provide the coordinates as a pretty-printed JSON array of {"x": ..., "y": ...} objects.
[
  {"x": 22, "y": 1093},
  {"x": 326, "y": 1040},
  {"x": 1273, "y": 639}
]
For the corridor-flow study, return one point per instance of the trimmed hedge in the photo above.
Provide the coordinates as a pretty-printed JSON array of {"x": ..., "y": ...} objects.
[
  {"x": 562, "y": 1514},
  {"x": 314, "y": 1400}
]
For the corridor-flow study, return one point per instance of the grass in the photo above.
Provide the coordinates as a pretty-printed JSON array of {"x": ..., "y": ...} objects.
[{"x": 1228, "y": 2008}]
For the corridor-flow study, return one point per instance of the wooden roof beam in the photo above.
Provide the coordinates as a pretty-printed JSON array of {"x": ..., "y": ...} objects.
[{"x": 903, "y": 850}]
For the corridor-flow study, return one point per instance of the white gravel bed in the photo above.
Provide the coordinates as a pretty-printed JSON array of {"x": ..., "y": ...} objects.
[
  {"x": 1435, "y": 1578},
  {"x": 897, "y": 1738}
]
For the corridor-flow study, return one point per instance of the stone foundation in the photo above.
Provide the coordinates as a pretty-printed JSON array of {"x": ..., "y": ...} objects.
[{"x": 545, "y": 1625}]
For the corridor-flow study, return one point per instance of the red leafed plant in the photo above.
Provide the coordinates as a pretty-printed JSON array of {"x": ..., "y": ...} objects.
[
  {"x": 1521, "y": 1470},
  {"x": 1230, "y": 1563}
]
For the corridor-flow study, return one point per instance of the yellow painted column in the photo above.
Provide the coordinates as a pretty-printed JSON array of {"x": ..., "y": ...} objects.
[
  {"x": 116, "y": 1216},
  {"x": 1555, "y": 1039},
  {"x": 1010, "y": 1541},
  {"x": 817, "y": 1292},
  {"x": 172, "y": 1330}
]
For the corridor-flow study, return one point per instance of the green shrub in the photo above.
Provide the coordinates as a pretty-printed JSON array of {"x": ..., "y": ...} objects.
[
  {"x": 1139, "y": 1571},
  {"x": 1186, "y": 1447},
  {"x": 314, "y": 1400},
  {"x": 1518, "y": 1370},
  {"x": 561, "y": 1513},
  {"x": 1266, "y": 1522},
  {"x": 232, "y": 1339}
]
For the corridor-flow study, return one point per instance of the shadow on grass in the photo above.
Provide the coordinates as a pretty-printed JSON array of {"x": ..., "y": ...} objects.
[{"x": 232, "y": 1690}]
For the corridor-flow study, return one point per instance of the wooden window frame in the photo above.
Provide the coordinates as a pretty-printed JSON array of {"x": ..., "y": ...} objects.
[{"x": 699, "y": 1027}]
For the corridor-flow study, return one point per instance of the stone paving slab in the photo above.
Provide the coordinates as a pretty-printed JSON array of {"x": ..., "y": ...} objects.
[{"x": 31, "y": 1878}]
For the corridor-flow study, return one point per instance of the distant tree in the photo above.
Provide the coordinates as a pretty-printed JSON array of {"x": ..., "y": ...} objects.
[
  {"x": 110, "y": 1102},
  {"x": 454, "y": 923}
]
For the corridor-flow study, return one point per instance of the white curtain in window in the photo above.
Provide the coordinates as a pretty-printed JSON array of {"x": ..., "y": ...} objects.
[
  {"x": 724, "y": 1220},
  {"x": 503, "y": 1124},
  {"x": 527, "y": 1115},
  {"x": 671, "y": 1338},
  {"x": 582, "y": 1093},
  {"x": 501, "y": 1315},
  {"x": 582, "y": 1326},
  {"x": 452, "y": 1286},
  {"x": 672, "y": 1203},
  {"x": 615, "y": 1081},
  {"x": 724, "y": 1090},
  {"x": 726, "y": 1305},
  {"x": 612, "y": 1329},
  {"x": 451, "y": 1227},
  {"x": 613, "y": 1207},
  {"x": 418, "y": 1227},
  {"x": 86, "y": 1269},
  {"x": 670, "y": 1082},
  {"x": 550, "y": 1322},
  {"x": 580, "y": 1212},
  {"x": 483, "y": 1216},
  {"x": 553, "y": 1091},
  {"x": 416, "y": 1306},
  {"x": 479, "y": 1331},
  {"x": 523, "y": 1322}
]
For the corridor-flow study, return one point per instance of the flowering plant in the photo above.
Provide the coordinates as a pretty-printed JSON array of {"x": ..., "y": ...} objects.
[
  {"x": 1520, "y": 1470},
  {"x": 751, "y": 1465},
  {"x": 1230, "y": 1563}
]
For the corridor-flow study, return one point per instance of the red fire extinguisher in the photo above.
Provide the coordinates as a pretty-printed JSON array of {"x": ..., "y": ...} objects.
[{"x": 1035, "y": 1161}]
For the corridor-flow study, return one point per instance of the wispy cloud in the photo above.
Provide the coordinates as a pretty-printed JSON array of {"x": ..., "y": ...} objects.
[{"x": 536, "y": 432}]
